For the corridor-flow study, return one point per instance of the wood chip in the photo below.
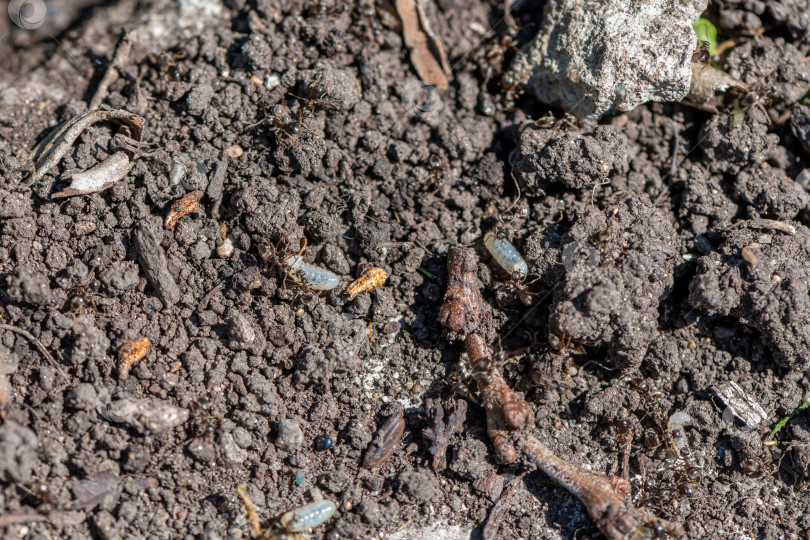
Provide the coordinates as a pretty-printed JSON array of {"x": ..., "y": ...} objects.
[
  {"x": 155, "y": 266},
  {"x": 427, "y": 54}
]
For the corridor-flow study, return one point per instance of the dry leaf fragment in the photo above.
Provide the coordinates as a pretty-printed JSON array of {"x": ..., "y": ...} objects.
[
  {"x": 131, "y": 353},
  {"x": 182, "y": 207},
  {"x": 97, "y": 178},
  {"x": 740, "y": 404},
  {"x": 427, "y": 55},
  {"x": 706, "y": 83}
]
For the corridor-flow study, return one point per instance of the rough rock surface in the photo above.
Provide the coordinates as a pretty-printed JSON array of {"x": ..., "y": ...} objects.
[
  {"x": 574, "y": 159},
  {"x": 759, "y": 274},
  {"x": 592, "y": 57}
]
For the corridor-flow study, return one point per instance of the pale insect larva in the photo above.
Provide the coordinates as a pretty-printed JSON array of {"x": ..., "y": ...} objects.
[
  {"x": 675, "y": 424},
  {"x": 506, "y": 255},
  {"x": 307, "y": 517},
  {"x": 309, "y": 275}
]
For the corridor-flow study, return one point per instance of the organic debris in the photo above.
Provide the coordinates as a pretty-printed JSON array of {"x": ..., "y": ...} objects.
[
  {"x": 509, "y": 418},
  {"x": 427, "y": 54},
  {"x": 440, "y": 432},
  {"x": 385, "y": 441},
  {"x": 53, "y": 148}
]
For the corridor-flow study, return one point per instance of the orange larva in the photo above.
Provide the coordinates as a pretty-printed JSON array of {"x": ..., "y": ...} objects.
[
  {"x": 371, "y": 279},
  {"x": 182, "y": 207},
  {"x": 131, "y": 353}
]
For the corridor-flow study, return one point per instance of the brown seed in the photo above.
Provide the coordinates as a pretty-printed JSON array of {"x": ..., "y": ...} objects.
[
  {"x": 131, "y": 353},
  {"x": 234, "y": 152},
  {"x": 385, "y": 441},
  {"x": 370, "y": 280},
  {"x": 182, "y": 207},
  {"x": 748, "y": 255}
]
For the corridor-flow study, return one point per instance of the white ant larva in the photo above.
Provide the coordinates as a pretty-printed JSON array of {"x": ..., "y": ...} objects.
[
  {"x": 506, "y": 255},
  {"x": 675, "y": 424},
  {"x": 307, "y": 517},
  {"x": 309, "y": 275}
]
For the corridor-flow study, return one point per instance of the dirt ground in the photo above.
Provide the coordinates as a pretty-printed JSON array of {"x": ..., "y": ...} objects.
[{"x": 668, "y": 253}]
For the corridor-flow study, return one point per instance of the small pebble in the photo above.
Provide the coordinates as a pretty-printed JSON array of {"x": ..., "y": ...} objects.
[
  {"x": 299, "y": 478},
  {"x": 289, "y": 436},
  {"x": 225, "y": 250},
  {"x": 234, "y": 152}
]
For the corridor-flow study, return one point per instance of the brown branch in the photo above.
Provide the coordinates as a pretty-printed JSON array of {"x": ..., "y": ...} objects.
[{"x": 509, "y": 418}]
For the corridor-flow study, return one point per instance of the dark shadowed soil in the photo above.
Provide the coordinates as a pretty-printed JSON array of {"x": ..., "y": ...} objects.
[{"x": 668, "y": 252}]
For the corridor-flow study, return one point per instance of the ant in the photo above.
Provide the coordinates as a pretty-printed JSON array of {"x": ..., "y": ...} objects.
[
  {"x": 308, "y": 276},
  {"x": 285, "y": 128},
  {"x": 167, "y": 61},
  {"x": 459, "y": 384},
  {"x": 762, "y": 95},
  {"x": 509, "y": 87},
  {"x": 701, "y": 55},
  {"x": 562, "y": 345},
  {"x": 82, "y": 295},
  {"x": 314, "y": 98},
  {"x": 549, "y": 121},
  {"x": 518, "y": 286},
  {"x": 323, "y": 8},
  {"x": 756, "y": 466},
  {"x": 493, "y": 55},
  {"x": 437, "y": 166},
  {"x": 203, "y": 422},
  {"x": 368, "y": 11}
]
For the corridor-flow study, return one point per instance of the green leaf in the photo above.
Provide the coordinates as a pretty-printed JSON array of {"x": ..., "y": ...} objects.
[
  {"x": 706, "y": 31},
  {"x": 779, "y": 425}
]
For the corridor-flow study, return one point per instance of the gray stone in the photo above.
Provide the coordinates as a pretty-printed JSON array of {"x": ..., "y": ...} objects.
[
  {"x": 232, "y": 454},
  {"x": 147, "y": 415},
  {"x": 289, "y": 436},
  {"x": 241, "y": 333},
  {"x": 592, "y": 57}
]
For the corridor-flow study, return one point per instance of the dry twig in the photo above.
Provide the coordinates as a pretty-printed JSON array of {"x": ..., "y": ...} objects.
[
  {"x": 440, "y": 432},
  {"x": 509, "y": 418}
]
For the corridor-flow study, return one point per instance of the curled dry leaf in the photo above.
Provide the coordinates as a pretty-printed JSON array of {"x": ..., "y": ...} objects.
[
  {"x": 131, "y": 353},
  {"x": 53, "y": 148},
  {"x": 99, "y": 177},
  {"x": 427, "y": 54}
]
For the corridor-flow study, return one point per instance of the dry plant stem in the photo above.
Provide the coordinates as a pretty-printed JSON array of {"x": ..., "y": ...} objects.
[
  {"x": 30, "y": 337},
  {"x": 509, "y": 418},
  {"x": 121, "y": 56},
  {"x": 54, "y": 147}
]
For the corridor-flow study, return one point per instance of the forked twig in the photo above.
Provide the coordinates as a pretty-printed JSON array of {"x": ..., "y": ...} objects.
[{"x": 509, "y": 419}]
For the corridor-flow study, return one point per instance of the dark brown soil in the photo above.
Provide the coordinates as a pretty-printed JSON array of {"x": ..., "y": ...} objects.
[{"x": 668, "y": 251}]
